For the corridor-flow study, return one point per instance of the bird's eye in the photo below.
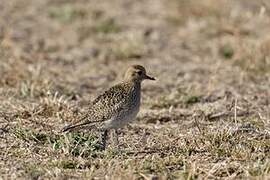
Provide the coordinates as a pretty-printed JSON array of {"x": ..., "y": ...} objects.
[{"x": 140, "y": 72}]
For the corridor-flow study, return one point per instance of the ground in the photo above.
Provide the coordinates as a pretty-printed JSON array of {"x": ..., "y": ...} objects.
[{"x": 206, "y": 117}]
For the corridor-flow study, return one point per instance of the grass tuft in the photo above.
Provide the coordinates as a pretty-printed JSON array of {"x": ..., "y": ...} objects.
[{"x": 107, "y": 26}]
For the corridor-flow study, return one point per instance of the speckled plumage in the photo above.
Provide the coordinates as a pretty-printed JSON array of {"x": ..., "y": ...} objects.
[
  {"x": 116, "y": 106},
  {"x": 112, "y": 106}
]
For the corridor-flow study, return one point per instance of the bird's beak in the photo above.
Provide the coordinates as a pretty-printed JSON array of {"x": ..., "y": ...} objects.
[{"x": 150, "y": 78}]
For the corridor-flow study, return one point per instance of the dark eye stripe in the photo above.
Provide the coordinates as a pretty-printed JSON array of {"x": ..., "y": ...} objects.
[{"x": 140, "y": 72}]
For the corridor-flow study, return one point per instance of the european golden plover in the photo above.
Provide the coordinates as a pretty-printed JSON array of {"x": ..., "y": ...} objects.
[{"x": 116, "y": 107}]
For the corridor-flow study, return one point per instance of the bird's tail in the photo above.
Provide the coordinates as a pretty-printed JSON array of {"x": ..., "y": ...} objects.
[
  {"x": 70, "y": 128},
  {"x": 67, "y": 128}
]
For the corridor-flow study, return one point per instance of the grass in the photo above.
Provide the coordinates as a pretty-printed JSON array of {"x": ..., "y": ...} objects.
[
  {"x": 206, "y": 116},
  {"x": 107, "y": 26},
  {"x": 66, "y": 13},
  {"x": 226, "y": 51}
]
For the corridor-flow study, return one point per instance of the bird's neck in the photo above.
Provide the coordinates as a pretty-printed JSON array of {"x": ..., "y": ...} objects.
[
  {"x": 135, "y": 87},
  {"x": 136, "y": 92}
]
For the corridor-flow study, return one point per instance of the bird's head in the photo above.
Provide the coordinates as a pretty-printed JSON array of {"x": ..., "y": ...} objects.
[{"x": 137, "y": 73}]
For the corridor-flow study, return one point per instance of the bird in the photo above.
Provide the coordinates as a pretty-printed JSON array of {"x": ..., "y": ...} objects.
[{"x": 116, "y": 107}]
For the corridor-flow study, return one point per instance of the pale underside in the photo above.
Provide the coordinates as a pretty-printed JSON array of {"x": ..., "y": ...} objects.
[{"x": 121, "y": 119}]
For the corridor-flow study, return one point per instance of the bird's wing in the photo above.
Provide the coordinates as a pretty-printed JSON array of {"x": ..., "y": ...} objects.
[{"x": 103, "y": 108}]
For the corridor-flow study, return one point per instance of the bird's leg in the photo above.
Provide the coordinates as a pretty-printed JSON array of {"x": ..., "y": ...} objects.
[
  {"x": 104, "y": 139},
  {"x": 115, "y": 139}
]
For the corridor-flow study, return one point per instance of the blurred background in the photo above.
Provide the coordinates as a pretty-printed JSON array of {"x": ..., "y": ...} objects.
[
  {"x": 210, "y": 56},
  {"x": 77, "y": 46}
]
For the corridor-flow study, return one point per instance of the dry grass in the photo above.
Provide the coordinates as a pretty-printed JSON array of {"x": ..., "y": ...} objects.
[{"x": 207, "y": 116}]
